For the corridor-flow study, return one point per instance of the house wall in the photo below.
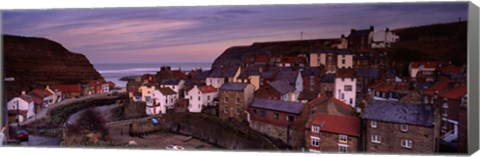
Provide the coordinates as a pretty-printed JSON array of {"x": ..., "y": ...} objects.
[
  {"x": 462, "y": 130},
  {"x": 194, "y": 104},
  {"x": 146, "y": 91},
  {"x": 348, "y": 61},
  {"x": 215, "y": 82},
  {"x": 255, "y": 81},
  {"x": 422, "y": 138},
  {"x": 349, "y": 96},
  {"x": 231, "y": 109},
  {"x": 329, "y": 142},
  {"x": 315, "y": 59},
  {"x": 309, "y": 81}
]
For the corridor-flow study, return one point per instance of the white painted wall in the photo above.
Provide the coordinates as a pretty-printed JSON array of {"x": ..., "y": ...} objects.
[
  {"x": 215, "y": 82},
  {"x": 176, "y": 88},
  {"x": 348, "y": 96},
  {"x": 198, "y": 100},
  {"x": 22, "y": 106}
]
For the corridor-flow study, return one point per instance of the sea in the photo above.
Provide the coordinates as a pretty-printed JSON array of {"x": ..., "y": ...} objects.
[{"x": 114, "y": 71}]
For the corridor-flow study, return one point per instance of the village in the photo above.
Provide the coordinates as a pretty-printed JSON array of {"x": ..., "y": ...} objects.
[{"x": 348, "y": 97}]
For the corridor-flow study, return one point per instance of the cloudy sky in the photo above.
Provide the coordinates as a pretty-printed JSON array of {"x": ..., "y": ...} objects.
[{"x": 200, "y": 34}]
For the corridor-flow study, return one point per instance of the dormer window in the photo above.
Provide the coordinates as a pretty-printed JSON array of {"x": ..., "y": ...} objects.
[
  {"x": 373, "y": 124},
  {"x": 404, "y": 128}
]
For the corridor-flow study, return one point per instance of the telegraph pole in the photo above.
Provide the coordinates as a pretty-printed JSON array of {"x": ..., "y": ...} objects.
[{"x": 301, "y": 35}]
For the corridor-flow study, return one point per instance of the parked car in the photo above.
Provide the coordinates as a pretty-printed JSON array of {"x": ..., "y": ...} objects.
[
  {"x": 21, "y": 135},
  {"x": 175, "y": 147}
]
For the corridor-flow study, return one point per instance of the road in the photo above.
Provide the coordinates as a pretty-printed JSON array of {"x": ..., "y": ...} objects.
[{"x": 35, "y": 140}]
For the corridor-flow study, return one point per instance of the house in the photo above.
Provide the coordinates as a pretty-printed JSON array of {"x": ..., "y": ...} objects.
[
  {"x": 324, "y": 58},
  {"x": 463, "y": 127},
  {"x": 234, "y": 99},
  {"x": 148, "y": 78},
  {"x": 69, "y": 90},
  {"x": 360, "y": 39},
  {"x": 294, "y": 78},
  {"x": 21, "y": 108},
  {"x": 311, "y": 78},
  {"x": 220, "y": 75},
  {"x": 146, "y": 91},
  {"x": 276, "y": 90},
  {"x": 344, "y": 59},
  {"x": 346, "y": 86},
  {"x": 287, "y": 61},
  {"x": 432, "y": 92},
  {"x": 42, "y": 97},
  {"x": 57, "y": 94},
  {"x": 161, "y": 100},
  {"x": 361, "y": 60},
  {"x": 327, "y": 83},
  {"x": 176, "y": 85},
  {"x": 329, "y": 105},
  {"x": 306, "y": 96},
  {"x": 99, "y": 86},
  {"x": 427, "y": 68},
  {"x": 132, "y": 89},
  {"x": 252, "y": 75},
  {"x": 365, "y": 78},
  {"x": 398, "y": 127},
  {"x": 388, "y": 90},
  {"x": 111, "y": 85},
  {"x": 282, "y": 120},
  {"x": 332, "y": 133},
  {"x": 449, "y": 105},
  {"x": 384, "y": 38},
  {"x": 201, "y": 96}
]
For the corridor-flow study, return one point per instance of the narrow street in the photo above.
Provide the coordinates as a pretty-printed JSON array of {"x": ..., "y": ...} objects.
[{"x": 35, "y": 140}]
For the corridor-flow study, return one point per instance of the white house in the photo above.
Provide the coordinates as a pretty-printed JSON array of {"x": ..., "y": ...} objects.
[
  {"x": 219, "y": 75},
  {"x": 21, "y": 107},
  {"x": 146, "y": 90},
  {"x": 384, "y": 38},
  {"x": 161, "y": 100},
  {"x": 344, "y": 59},
  {"x": 105, "y": 87},
  {"x": 294, "y": 78},
  {"x": 425, "y": 67},
  {"x": 345, "y": 84},
  {"x": 175, "y": 84},
  {"x": 200, "y": 97},
  {"x": 42, "y": 97}
]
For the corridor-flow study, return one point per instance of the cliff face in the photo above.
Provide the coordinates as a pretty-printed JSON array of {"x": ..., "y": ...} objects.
[{"x": 37, "y": 62}]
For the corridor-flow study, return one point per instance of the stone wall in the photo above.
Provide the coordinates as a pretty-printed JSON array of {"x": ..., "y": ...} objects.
[{"x": 329, "y": 142}]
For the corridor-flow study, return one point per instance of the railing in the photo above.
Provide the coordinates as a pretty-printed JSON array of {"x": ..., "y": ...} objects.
[{"x": 449, "y": 136}]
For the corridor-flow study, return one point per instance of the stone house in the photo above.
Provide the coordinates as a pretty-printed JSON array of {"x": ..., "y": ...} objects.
[
  {"x": 311, "y": 78},
  {"x": 21, "y": 108},
  {"x": 201, "y": 96},
  {"x": 223, "y": 74},
  {"x": 332, "y": 133},
  {"x": 398, "y": 127},
  {"x": 276, "y": 90},
  {"x": 233, "y": 100},
  {"x": 360, "y": 40},
  {"x": 282, "y": 120},
  {"x": 324, "y": 58}
]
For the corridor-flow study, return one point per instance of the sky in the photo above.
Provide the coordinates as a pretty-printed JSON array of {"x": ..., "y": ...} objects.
[{"x": 201, "y": 33}]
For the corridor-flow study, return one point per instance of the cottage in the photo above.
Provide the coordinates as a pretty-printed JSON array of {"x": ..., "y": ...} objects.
[
  {"x": 365, "y": 77},
  {"x": 146, "y": 91},
  {"x": 42, "y": 97},
  {"x": 306, "y": 96},
  {"x": 98, "y": 86},
  {"x": 294, "y": 78},
  {"x": 344, "y": 59},
  {"x": 252, "y": 75},
  {"x": 360, "y": 39},
  {"x": 449, "y": 104},
  {"x": 21, "y": 108},
  {"x": 426, "y": 68},
  {"x": 176, "y": 85},
  {"x": 384, "y": 38},
  {"x": 132, "y": 89},
  {"x": 234, "y": 99},
  {"x": 329, "y": 105},
  {"x": 332, "y": 133},
  {"x": 387, "y": 90},
  {"x": 69, "y": 91},
  {"x": 276, "y": 90},
  {"x": 324, "y": 58},
  {"x": 57, "y": 94},
  {"x": 161, "y": 100},
  {"x": 279, "y": 119},
  {"x": 346, "y": 86},
  {"x": 200, "y": 97},
  {"x": 311, "y": 78},
  {"x": 220, "y": 75},
  {"x": 398, "y": 127},
  {"x": 327, "y": 84}
]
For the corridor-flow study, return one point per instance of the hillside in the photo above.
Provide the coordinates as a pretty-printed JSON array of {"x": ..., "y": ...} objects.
[{"x": 37, "y": 62}]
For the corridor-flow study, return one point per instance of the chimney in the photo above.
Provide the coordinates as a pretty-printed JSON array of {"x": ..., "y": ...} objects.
[
  {"x": 352, "y": 30},
  {"x": 387, "y": 30},
  {"x": 371, "y": 27},
  {"x": 343, "y": 36}
]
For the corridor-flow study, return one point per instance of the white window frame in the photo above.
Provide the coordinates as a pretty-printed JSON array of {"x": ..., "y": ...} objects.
[
  {"x": 343, "y": 138},
  {"x": 405, "y": 143},
  {"x": 342, "y": 146},
  {"x": 403, "y": 127},
  {"x": 373, "y": 124},
  {"x": 315, "y": 139},
  {"x": 315, "y": 128},
  {"x": 376, "y": 139}
]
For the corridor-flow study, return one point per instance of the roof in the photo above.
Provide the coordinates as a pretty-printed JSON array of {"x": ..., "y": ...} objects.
[
  {"x": 27, "y": 98},
  {"x": 167, "y": 91},
  {"x": 438, "y": 86},
  {"x": 328, "y": 78},
  {"x": 207, "y": 89},
  {"x": 201, "y": 75},
  {"x": 425, "y": 64},
  {"x": 261, "y": 58},
  {"x": 357, "y": 33},
  {"x": 251, "y": 70},
  {"x": 281, "y": 86},
  {"x": 343, "y": 52},
  {"x": 345, "y": 73},
  {"x": 451, "y": 70},
  {"x": 41, "y": 93},
  {"x": 95, "y": 82},
  {"x": 68, "y": 88},
  {"x": 276, "y": 105},
  {"x": 290, "y": 76},
  {"x": 233, "y": 86},
  {"x": 225, "y": 71},
  {"x": 345, "y": 125},
  {"x": 171, "y": 82},
  {"x": 308, "y": 95},
  {"x": 367, "y": 72},
  {"x": 399, "y": 112},
  {"x": 308, "y": 71},
  {"x": 455, "y": 93}
]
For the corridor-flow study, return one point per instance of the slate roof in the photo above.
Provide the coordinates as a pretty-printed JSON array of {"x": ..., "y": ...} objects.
[
  {"x": 345, "y": 125},
  {"x": 207, "y": 89},
  {"x": 308, "y": 95},
  {"x": 281, "y": 86},
  {"x": 226, "y": 71},
  {"x": 233, "y": 86},
  {"x": 328, "y": 78},
  {"x": 438, "y": 86},
  {"x": 290, "y": 76},
  {"x": 276, "y": 105},
  {"x": 367, "y": 72},
  {"x": 171, "y": 82},
  {"x": 455, "y": 93},
  {"x": 399, "y": 112},
  {"x": 251, "y": 70},
  {"x": 167, "y": 91},
  {"x": 315, "y": 71},
  {"x": 201, "y": 75},
  {"x": 357, "y": 33}
]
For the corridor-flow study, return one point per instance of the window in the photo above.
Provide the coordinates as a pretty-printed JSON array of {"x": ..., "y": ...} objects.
[
  {"x": 238, "y": 101},
  {"x": 225, "y": 109},
  {"x": 238, "y": 111},
  {"x": 254, "y": 111},
  {"x": 403, "y": 128},
  {"x": 376, "y": 139},
  {"x": 342, "y": 96},
  {"x": 275, "y": 115},
  {"x": 198, "y": 98},
  {"x": 263, "y": 113},
  {"x": 225, "y": 99},
  {"x": 208, "y": 97},
  {"x": 290, "y": 118},
  {"x": 315, "y": 141},
  {"x": 406, "y": 143},
  {"x": 343, "y": 138},
  {"x": 373, "y": 124},
  {"x": 191, "y": 97},
  {"x": 343, "y": 61},
  {"x": 342, "y": 148},
  {"x": 315, "y": 128}
]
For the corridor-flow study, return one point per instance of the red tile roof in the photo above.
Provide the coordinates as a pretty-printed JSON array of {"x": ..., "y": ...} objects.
[
  {"x": 68, "y": 88},
  {"x": 425, "y": 64},
  {"x": 95, "y": 82},
  {"x": 207, "y": 89},
  {"x": 345, "y": 125},
  {"x": 341, "y": 103},
  {"x": 27, "y": 98},
  {"x": 438, "y": 86},
  {"x": 450, "y": 69},
  {"x": 41, "y": 92},
  {"x": 178, "y": 74},
  {"x": 37, "y": 100},
  {"x": 455, "y": 93},
  {"x": 261, "y": 58},
  {"x": 288, "y": 59},
  {"x": 345, "y": 73}
]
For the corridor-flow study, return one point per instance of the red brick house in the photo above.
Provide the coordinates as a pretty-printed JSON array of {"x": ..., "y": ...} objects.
[
  {"x": 332, "y": 133},
  {"x": 279, "y": 119},
  {"x": 233, "y": 100},
  {"x": 449, "y": 104},
  {"x": 276, "y": 90},
  {"x": 69, "y": 91}
]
